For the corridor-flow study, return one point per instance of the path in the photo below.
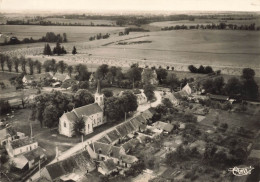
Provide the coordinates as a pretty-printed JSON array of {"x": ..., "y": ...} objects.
[{"x": 81, "y": 145}]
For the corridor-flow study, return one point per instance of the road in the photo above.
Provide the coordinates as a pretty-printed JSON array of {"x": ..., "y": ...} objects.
[{"x": 81, "y": 145}]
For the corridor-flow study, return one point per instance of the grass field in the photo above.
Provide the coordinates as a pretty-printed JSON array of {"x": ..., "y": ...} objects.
[{"x": 74, "y": 33}]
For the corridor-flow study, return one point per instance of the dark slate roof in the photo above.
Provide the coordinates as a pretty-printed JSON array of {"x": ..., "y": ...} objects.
[
  {"x": 80, "y": 161},
  {"x": 141, "y": 119},
  {"x": 136, "y": 123},
  {"x": 101, "y": 147},
  {"x": 34, "y": 154},
  {"x": 113, "y": 135},
  {"x": 130, "y": 144},
  {"x": 88, "y": 110},
  {"x": 21, "y": 142},
  {"x": 104, "y": 140},
  {"x": 108, "y": 164},
  {"x": 218, "y": 97},
  {"x": 114, "y": 152},
  {"x": 125, "y": 128}
]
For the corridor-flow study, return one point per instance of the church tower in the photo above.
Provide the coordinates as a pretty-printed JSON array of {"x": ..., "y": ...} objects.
[{"x": 99, "y": 97}]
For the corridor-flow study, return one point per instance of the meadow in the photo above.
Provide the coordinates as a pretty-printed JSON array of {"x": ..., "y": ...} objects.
[{"x": 227, "y": 50}]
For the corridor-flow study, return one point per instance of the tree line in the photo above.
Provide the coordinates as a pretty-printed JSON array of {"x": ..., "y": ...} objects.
[
  {"x": 243, "y": 88},
  {"x": 201, "y": 69},
  {"x": 220, "y": 26},
  {"x": 49, "y": 37},
  {"x": 99, "y": 36}
]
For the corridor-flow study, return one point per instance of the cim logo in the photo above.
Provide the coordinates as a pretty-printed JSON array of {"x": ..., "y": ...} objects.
[{"x": 241, "y": 171}]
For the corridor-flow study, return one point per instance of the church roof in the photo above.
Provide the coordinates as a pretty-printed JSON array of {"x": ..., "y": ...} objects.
[
  {"x": 88, "y": 110},
  {"x": 98, "y": 87},
  {"x": 71, "y": 116}
]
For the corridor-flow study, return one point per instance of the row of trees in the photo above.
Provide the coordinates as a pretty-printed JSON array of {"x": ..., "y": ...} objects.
[
  {"x": 100, "y": 36},
  {"x": 58, "y": 49},
  {"x": 49, "y": 37},
  {"x": 246, "y": 87},
  {"x": 220, "y": 26},
  {"x": 201, "y": 69}
]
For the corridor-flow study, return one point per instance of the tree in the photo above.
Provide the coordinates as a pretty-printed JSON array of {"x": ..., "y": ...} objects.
[
  {"x": 172, "y": 81},
  {"x": 233, "y": 87},
  {"x": 208, "y": 69},
  {"x": 79, "y": 126},
  {"x": 107, "y": 92},
  {"x": 50, "y": 65},
  {"x": 38, "y": 66},
  {"x": 83, "y": 85},
  {"x": 129, "y": 101},
  {"x": 149, "y": 91},
  {"x": 16, "y": 64},
  {"x": 192, "y": 69},
  {"x": 62, "y": 66},
  {"x": 83, "y": 97},
  {"x": 74, "y": 51},
  {"x": 208, "y": 85},
  {"x": 218, "y": 85},
  {"x": 47, "y": 50},
  {"x": 248, "y": 74},
  {"x": 70, "y": 70},
  {"x": 161, "y": 74},
  {"x": 82, "y": 72},
  {"x": 147, "y": 75},
  {"x": 201, "y": 69},
  {"x": 9, "y": 63},
  {"x": 57, "y": 49},
  {"x": 2, "y": 61},
  {"x": 114, "y": 108},
  {"x": 50, "y": 116},
  {"x": 31, "y": 65},
  {"x": 134, "y": 73},
  {"x": 23, "y": 64},
  {"x": 4, "y": 107},
  {"x": 65, "y": 37},
  {"x": 167, "y": 103},
  {"x": 101, "y": 71}
]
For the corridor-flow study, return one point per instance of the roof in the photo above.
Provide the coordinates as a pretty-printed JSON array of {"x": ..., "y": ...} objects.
[
  {"x": 20, "y": 161},
  {"x": 129, "y": 159},
  {"x": 34, "y": 154},
  {"x": 218, "y": 97},
  {"x": 147, "y": 114},
  {"x": 130, "y": 144},
  {"x": 79, "y": 162},
  {"x": 4, "y": 133},
  {"x": 107, "y": 149},
  {"x": 22, "y": 142},
  {"x": 61, "y": 77},
  {"x": 98, "y": 87},
  {"x": 109, "y": 165},
  {"x": 180, "y": 94},
  {"x": 71, "y": 116},
  {"x": 104, "y": 140},
  {"x": 140, "y": 118},
  {"x": 113, "y": 135},
  {"x": 125, "y": 128},
  {"x": 87, "y": 110},
  {"x": 163, "y": 126},
  {"x": 38, "y": 76}
]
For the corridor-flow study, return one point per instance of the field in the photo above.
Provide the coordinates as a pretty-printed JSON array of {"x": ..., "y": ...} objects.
[
  {"x": 228, "y": 50},
  {"x": 83, "y": 22},
  {"x": 74, "y": 33}
]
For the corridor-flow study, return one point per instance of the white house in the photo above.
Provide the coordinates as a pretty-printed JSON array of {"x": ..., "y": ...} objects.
[
  {"x": 92, "y": 115},
  {"x": 20, "y": 146},
  {"x": 187, "y": 89}
]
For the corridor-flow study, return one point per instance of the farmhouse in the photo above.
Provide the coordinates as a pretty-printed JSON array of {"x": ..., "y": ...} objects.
[
  {"x": 70, "y": 169},
  {"x": 61, "y": 77},
  {"x": 28, "y": 79},
  {"x": 92, "y": 115},
  {"x": 102, "y": 151},
  {"x": 20, "y": 146}
]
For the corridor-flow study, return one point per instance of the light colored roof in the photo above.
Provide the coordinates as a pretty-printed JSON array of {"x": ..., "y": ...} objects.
[
  {"x": 129, "y": 159},
  {"x": 87, "y": 110},
  {"x": 71, "y": 116},
  {"x": 163, "y": 126},
  {"x": 107, "y": 149},
  {"x": 22, "y": 142},
  {"x": 20, "y": 161},
  {"x": 61, "y": 77}
]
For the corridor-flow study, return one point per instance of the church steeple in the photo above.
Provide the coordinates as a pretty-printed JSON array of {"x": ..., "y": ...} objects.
[{"x": 99, "y": 97}]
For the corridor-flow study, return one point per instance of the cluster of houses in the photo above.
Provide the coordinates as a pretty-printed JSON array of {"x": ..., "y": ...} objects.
[
  {"x": 58, "y": 78},
  {"x": 110, "y": 153},
  {"x": 22, "y": 150}
]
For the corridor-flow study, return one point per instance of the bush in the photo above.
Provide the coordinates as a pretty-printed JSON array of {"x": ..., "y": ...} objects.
[{"x": 4, "y": 107}]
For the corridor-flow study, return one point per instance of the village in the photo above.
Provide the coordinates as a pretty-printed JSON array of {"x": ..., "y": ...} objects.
[{"x": 170, "y": 135}]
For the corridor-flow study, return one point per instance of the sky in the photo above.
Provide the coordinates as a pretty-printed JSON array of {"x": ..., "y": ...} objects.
[{"x": 131, "y": 5}]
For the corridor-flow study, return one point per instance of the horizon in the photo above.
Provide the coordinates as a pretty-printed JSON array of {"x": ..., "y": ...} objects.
[{"x": 122, "y": 6}]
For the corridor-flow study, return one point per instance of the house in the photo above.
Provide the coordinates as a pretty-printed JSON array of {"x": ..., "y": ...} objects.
[
  {"x": 151, "y": 74},
  {"x": 29, "y": 160},
  {"x": 28, "y": 79},
  {"x": 7, "y": 134},
  {"x": 103, "y": 152},
  {"x": 221, "y": 98},
  {"x": 187, "y": 89},
  {"x": 61, "y": 77},
  {"x": 92, "y": 115},
  {"x": 147, "y": 115},
  {"x": 130, "y": 145},
  {"x": 107, "y": 167},
  {"x": 163, "y": 126},
  {"x": 70, "y": 169},
  {"x": 20, "y": 146}
]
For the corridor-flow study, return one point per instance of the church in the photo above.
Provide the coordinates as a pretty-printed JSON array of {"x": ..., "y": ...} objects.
[{"x": 92, "y": 115}]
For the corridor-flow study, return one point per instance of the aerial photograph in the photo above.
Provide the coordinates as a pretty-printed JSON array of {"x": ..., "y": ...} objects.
[{"x": 130, "y": 90}]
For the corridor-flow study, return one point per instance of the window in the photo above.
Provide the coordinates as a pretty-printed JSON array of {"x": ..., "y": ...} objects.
[{"x": 64, "y": 125}]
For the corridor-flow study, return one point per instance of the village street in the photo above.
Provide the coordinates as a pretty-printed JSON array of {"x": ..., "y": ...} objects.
[{"x": 82, "y": 145}]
